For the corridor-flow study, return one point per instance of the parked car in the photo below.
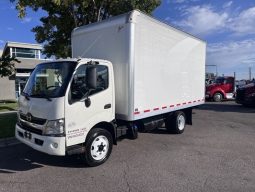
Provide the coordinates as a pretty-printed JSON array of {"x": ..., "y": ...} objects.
[{"x": 245, "y": 95}]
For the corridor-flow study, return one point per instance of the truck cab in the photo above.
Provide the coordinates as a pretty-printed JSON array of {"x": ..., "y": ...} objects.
[
  {"x": 62, "y": 101},
  {"x": 222, "y": 88}
]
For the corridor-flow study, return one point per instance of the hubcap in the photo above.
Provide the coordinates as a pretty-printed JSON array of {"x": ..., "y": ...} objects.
[
  {"x": 99, "y": 148},
  {"x": 181, "y": 122},
  {"x": 217, "y": 97}
]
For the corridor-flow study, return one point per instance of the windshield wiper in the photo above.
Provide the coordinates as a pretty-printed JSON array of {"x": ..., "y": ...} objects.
[
  {"x": 26, "y": 95},
  {"x": 42, "y": 95},
  {"x": 46, "y": 96}
]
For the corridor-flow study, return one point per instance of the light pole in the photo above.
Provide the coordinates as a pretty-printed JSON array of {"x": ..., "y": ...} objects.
[{"x": 215, "y": 68}]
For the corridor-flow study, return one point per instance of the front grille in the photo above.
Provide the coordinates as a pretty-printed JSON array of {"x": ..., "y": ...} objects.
[
  {"x": 35, "y": 120},
  {"x": 30, "y": 129}
]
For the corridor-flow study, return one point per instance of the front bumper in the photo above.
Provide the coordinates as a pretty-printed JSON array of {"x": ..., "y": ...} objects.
[
  {"x": 45, "y": 144},
  {"x": 249, "y": 101}
]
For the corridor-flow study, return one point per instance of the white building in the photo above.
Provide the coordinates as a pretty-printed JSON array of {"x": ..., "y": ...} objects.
[{"x": 29, "y": 56}]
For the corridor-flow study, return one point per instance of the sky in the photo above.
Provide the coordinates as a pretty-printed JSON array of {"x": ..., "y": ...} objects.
[{"x": 227, "y": 26}]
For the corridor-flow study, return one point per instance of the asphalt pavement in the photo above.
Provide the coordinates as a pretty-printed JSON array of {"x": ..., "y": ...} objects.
[{"x": 217, "y": 153}]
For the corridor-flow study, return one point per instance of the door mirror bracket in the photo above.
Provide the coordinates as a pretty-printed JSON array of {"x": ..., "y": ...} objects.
[{"x": 87, "y": 102}]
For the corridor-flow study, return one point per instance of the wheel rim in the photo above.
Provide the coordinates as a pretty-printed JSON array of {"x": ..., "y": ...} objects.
[
  {"x": 99, "y": 148},
  {"x": 217, "y": 97},
  {"x": 181, "y": 122}
]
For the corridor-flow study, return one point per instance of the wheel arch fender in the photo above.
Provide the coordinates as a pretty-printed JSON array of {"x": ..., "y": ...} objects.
[
  {"x": 188, "y": 114},
  {"x": 109, "y": 126},
  {"x": 221, "y": 92}
]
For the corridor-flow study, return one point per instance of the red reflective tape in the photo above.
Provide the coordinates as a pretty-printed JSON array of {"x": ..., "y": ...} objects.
[
  {"x": 184, "y": 103},
  {"x": 178, "y": 104},
  {"x": 190, "y": 102},
  {"x": 164, "y": 107},
  {"x": 198, "y": 100},
  {"x": 194, "y": 101},
  {"x": 155, "y": 109},
  {"x": 136, "y": 113},
  {"x": 171, "y": 105},
  {"x": 146, "y": 111}
]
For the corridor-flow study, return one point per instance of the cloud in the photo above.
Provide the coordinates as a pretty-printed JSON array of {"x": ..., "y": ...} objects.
[
  {"x": 181, "y": 1},
  {"x": 233, "y": 55},
  {"x": 202, "y": 20},
  {"x": 244, "y": 23},
  {"x": 227, "y": 4},
  {"x": 26, "y": 20},
  {"x": 167, "y": 19},
  {"x": 205, "y": 20}
]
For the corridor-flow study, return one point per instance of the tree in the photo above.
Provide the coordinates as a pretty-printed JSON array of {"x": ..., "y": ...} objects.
[
  {"x": 7, "y": 65},
  {"x": 65, "y": 15}
]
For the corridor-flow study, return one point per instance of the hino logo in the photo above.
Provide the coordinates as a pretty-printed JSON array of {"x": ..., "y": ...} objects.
[{"x": 29, "y": 117}]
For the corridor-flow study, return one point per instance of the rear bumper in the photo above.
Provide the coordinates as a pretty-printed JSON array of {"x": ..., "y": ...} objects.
[{"x": 45, "y": 144}]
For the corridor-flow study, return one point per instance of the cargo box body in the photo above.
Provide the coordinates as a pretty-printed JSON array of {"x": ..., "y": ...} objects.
[{"x": 157, "y": 68}]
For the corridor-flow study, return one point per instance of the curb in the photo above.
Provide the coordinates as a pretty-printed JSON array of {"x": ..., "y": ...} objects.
[
  {"x": 7, "y": 112},
  {"x": 9, "y": 142}
]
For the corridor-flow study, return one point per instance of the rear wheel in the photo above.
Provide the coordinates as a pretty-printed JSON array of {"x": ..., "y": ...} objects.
[
  {"x": 217, "y": 97},
  {"x": 98, "y": 147},
  {"x": 176, "y": 123}
]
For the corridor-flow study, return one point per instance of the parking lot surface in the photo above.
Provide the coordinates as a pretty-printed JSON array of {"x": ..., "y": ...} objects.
[{"x": 217, "y": 153}]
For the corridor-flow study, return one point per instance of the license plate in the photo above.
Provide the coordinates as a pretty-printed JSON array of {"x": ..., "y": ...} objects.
[{"x": 28, "y": 135}]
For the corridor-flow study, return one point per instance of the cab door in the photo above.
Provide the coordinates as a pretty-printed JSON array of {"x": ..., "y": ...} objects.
[
  {"x": 228, "y": 85},
  {"x": 84, "y": 107}
]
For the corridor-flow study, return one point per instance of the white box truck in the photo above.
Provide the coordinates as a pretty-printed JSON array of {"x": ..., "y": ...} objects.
[{"x": 128, "y": 73}]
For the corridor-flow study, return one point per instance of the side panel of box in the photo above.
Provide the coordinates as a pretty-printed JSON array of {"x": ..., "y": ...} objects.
[{"x": 169, "y": 69}]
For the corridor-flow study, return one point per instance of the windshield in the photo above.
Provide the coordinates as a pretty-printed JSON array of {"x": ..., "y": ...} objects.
[
  {"x": 49, "y": 80},
  {"x": 220, "y": 80}
]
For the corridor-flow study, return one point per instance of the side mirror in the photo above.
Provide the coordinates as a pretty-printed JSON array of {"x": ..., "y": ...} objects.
[{"x": 91, "y": 77}]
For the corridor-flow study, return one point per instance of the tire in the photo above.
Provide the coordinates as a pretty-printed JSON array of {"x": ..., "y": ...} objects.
[
  {"x": 176, "y": 122},
  {"x": 98, "y": 147},
  {"x": 217, "y": 97},
  {"x": 132, "y": 132}
]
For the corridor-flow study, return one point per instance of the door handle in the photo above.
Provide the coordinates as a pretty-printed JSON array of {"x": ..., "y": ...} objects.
[{"x": 107, "y": 106}]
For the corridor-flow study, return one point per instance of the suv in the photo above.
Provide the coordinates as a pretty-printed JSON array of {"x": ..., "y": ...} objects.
[{"x": 245, "y": 95}]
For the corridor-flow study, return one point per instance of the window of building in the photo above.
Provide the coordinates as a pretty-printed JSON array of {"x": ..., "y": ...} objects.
[{"x": 25, "y": 53}]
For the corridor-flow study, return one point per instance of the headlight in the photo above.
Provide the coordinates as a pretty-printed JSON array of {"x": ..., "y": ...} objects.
[{"x": 55, "y": 127}]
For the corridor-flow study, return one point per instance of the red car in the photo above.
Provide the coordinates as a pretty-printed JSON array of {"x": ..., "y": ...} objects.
[{"x": 245, "y": 95}]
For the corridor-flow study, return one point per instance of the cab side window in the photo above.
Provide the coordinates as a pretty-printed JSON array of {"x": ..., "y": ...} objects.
[
  {"x": 102, "y": 78},
  {"x": 79, "y": 89}
]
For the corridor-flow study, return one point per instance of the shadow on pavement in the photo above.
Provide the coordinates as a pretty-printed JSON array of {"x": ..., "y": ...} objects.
[
  {"x": 22, "y": 158},
  {"x": 225, "y": 107}
]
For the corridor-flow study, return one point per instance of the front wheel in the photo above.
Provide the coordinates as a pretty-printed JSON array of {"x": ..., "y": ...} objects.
[
  {"x": 176, "y": 123},
  {"x": 98, "y": 147},
  {"x": 217, "y": 97}
]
